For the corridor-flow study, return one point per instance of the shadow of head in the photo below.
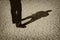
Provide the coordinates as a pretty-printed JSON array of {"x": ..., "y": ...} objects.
[
  {"x": 45, "y": 13},
  {"x": 40, "y": 14}
]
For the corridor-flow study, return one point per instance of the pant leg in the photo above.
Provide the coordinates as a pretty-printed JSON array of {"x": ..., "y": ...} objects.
[
  {"x": 13, "y": 12},
  {"x": 19, "y": 12}
]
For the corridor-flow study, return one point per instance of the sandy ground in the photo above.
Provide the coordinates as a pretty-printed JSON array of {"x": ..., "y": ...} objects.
[{"x": 47, "y": 28}]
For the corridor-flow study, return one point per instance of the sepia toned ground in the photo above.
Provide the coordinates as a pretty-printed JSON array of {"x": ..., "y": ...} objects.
[{"x": 46, "y": 28}]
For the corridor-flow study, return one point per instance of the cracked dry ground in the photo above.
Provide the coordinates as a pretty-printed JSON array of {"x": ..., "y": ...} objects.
[{"x": 47, "y": 28}]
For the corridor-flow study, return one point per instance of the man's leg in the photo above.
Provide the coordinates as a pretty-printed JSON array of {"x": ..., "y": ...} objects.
[
  {"x": 13, "y": 16},
  {"x": 13, "y": 13},
  {"x": 19, "y": 16}
]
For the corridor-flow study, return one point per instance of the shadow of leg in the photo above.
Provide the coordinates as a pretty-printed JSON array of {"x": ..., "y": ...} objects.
[
  {"x": 26, "y": 18},
  {"x": 28, "y": 22}
]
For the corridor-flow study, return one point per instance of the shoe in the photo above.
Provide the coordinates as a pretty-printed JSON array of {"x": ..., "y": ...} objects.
[{"x": 20, "y": 25}]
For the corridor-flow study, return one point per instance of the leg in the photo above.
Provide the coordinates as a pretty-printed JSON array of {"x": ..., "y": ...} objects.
[
  {"x": 19, "y": 13},
  {"x": 13, "y": 13},
  {"x": 19, "y": 16}
]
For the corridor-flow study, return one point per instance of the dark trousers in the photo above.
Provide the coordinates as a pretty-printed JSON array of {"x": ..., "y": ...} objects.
[{"x": 16, "y": 10}]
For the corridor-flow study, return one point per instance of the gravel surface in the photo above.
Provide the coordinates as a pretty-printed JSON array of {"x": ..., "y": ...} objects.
[{"x": 45, "y": 28}]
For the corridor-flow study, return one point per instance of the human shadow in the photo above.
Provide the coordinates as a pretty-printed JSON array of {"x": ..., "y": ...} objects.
[{"x": 36, "y": 16}]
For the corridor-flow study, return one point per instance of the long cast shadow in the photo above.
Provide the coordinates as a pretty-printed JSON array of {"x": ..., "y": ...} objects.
[{"x": 36, "y": 16}]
